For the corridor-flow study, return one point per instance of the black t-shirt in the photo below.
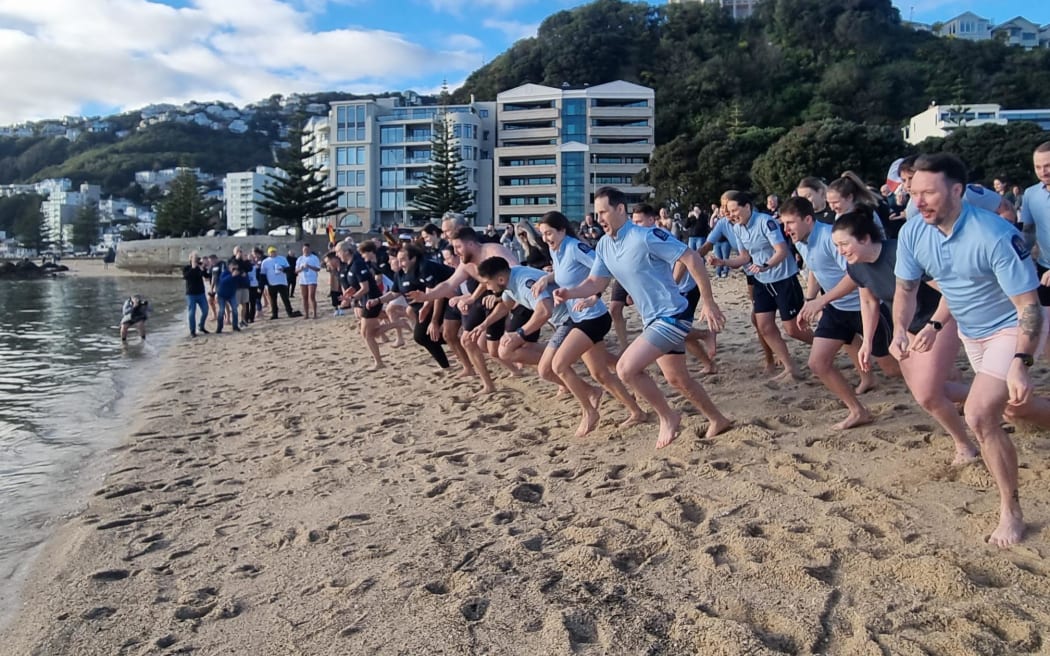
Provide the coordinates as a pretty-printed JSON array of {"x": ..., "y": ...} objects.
[
  {"x": 216, "y": 272},
  {"x": 427, "y": 274},
  {"x": 878, "y": 276},
  {"x": 194, "y": 277},
  {"x": 360, "y": 272},
  {"x": 700, "y": 226},
  {"x": 243, "y": 265},
  {"x": 825, "y": 216}
]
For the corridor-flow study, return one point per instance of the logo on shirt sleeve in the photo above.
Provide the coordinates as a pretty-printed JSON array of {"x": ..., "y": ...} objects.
[
  {"x": 661, "y": 234},
  {"x": 1017, "y": 241},
  {"x": 529, "y": 283},
  {"x": 583, "y": 247},
  {"x": 772, "y": 226}
]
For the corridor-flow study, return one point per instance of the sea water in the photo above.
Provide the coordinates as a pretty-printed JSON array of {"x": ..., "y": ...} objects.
[{"x": 67, "y": 389}]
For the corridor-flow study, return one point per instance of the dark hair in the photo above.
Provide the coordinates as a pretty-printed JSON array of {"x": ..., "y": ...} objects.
[
  {"x": 851, "y": 185},
  {"x": 493, "y": 267},
  {"x": 908, "y": 164},
  {"x": 644, "y": 208},
  {"x": 738, "y": 197},
  {"x": 432, "y": 229},
  {"x": 331, "y": 255},
  {"x": 797, "y": 206},
  {"x": 859, "y": 223},
  {"x": 466, "y": 233},
  {"x": 947, "y": 164},
  {"x": 413, "y": 251},
  {"x": 612, "y": 195},
  {"x": 368, "y": 246},
  {"x": 558, "y": 221},
  {"x": 816, "y": 184}
]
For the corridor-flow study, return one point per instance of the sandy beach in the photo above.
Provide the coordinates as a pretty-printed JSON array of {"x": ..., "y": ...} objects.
[
  {"x": 271, "y": 497},
  {"x": 94, "y": 267}
]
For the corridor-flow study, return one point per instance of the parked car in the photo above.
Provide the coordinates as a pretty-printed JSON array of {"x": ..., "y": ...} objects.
[{"x": 282, "y": 231}]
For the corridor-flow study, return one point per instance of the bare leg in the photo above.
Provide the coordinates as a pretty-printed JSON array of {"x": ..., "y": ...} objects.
[
  {"x": 571, "y": 350},
  {"x": 619, "y": 324},
  {"x": 596, "y": 358},
  {"x": 767, "y": 328},
  {"x": 925, "y": 374},
  {"x": 450, "y": 331},
  {"x": 701, "y": 345},
  {"x": 631, "y": 370},
  {"x": 369, "y": 331},
  {"x": 984, "y": 407},
  {"x": 822, "y": 363},
  {"x": 477, "y": 359}
]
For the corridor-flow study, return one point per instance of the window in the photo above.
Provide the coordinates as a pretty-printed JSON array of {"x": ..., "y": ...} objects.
[
  {"x": 392, "y": 177},
  {"x": 528, "y": 180},
  {"x": 616, "y": 102},
  {"x": 573, "y": 191},
  {"x": 485, "y": 135},
  {"x": 391, "y": 156},
  {"x": 483, "y": 113},
  {"x": 469, "y": 153},
  {"x": 391, "y": 200},
  {"x": 529, "y": 161},
  {"x": 350, "y": 123},
  {"x": 520, "y": 107},
  {"x": 392, "y": 134}
]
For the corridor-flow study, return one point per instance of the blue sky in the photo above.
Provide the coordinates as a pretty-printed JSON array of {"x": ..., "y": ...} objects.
[{"x": 89, "y": 57}]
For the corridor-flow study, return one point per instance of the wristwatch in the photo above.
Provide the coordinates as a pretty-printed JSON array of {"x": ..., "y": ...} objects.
[
  {"x": 937, "y": 325},
  {"x": 1025, "y": 358}
]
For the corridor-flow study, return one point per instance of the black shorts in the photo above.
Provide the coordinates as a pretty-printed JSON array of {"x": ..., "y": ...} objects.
[
  {"x": 1044, "y": 292},
  {"x": 520, "y": 316},
  {"x": 370, "y": 313},
  {"x": 596, "y": 329},
  {"x": 751, "y": 282},
  {"x": 452, "y": 313},
  {"x": 476, "y": 315},
  {"x": 336, "y": 298},
  {"x": 783, "y": 295},
  {"x": 844, "y": 325},
  {"x": 693, "y": 298},
  {"x": 617, "y": 294}
]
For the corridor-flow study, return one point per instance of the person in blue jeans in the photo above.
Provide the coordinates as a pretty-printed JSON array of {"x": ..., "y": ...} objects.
[
  {"x": 194, "y": 274},
  {"x": 230, "y": 281}
]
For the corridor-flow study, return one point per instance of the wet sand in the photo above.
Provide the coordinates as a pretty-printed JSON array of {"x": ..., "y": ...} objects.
[
  {"x": 272, "y": 498},
  {"x": 94, "y": 267}
]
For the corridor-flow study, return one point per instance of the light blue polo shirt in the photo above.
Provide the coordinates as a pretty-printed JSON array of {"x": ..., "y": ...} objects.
[
  {"x": 572, "y": 264},
  {"x": 723, "y": 230},
  {"x": 757, "y": 238},
  {"x": 641, "y": 259},
  {"x": 519, "y": 290},
  {"x": 1035, "y": 210},
  {"x": 827, "y": 264},
  {"x": 978, "y": 267}
]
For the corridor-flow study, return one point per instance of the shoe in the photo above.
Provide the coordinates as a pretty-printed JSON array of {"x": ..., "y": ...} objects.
[
  {"x": 204, "y": 330},
  {"x": 236, "y": 330},
  {"x": 193, "y": 334}
]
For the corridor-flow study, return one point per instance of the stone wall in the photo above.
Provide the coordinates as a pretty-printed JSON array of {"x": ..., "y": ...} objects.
[{"x": 170, "y": 255}]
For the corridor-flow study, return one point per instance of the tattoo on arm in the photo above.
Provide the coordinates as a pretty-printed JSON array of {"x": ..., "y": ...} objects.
[
  {"x": 1031, "y": 321},
  {"x": 907, "y": 285}
]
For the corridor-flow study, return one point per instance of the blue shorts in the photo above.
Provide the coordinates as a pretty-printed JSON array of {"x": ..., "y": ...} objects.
[{"x": 668, "y": 334}]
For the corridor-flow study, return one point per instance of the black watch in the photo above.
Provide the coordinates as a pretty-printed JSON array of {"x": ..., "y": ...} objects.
[
  {"x": 937, "y": 325},
  {"x": 1025, "y": 358}
]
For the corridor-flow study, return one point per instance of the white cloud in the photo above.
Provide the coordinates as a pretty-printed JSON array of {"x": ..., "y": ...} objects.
[
  {"x": 60, "y": 55},
  {"x": 460, "y": 7},
  {"x": 513, "y": 30}
]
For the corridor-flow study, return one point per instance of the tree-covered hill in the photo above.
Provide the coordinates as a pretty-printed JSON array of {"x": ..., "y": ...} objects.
[{"x": 727, "y": 90}]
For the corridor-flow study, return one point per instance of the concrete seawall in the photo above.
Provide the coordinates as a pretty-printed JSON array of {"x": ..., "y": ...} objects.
[{"x": 170, "y": 255}]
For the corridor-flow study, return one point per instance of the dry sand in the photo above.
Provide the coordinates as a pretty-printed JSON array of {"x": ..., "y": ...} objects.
[
  {"x": 94, "y": 267},
  {"x": 273, "y": 499}
]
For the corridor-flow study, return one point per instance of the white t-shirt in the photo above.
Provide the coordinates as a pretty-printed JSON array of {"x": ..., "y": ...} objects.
[
  {"x": 273, "y": 268},
  {"x": 307, "y": 276}
]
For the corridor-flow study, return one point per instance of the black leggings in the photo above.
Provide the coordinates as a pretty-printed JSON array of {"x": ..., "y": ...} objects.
[
  {"x": 433, "y": 347},
  {"x": 253, "y": 298},
  {"x": 282, "y": 291}
]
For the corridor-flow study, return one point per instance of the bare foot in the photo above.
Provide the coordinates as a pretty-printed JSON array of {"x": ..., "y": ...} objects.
[
  {"x": 1010, "y": 530},
  {"x": 377, "y": 366},
  {"x": 788, "y": 373},
  {"x": 868, "y": 382},
  {"x": 854, "y": 419},
  {"x": 634, "y": 420},
  {"x": 718, "y": 426},
  {"x": 399, "y": 343},
  {"x": 770, "y": 369},
  {"x": 466, "y": 372},
  {"x": 588, "y": 422},
  {"x": 710, "y": 369},
  {"x": 485, "y": 391},
  {"x": 965, "y": 456},
  {"x": 668, "y": 430}
]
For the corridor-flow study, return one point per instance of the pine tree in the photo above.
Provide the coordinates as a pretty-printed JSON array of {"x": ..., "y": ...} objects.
[
  {"x": 302, "y": 194},
  {"x": 444, "y": 186},
  {"x": 86, "y": 228},
  {"x": 32, "y": 230},
  {"x": 185, "y": 210}
]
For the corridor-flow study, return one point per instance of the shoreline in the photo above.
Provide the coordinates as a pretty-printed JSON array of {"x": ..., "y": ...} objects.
[{"x": 289, "y": 502}]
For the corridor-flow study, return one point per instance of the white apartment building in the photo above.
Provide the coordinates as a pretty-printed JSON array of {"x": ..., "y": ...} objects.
[
  {"x": 380, "y": 150},
  {"x": 61, "y": 208},
  {"x": 241, "y": 192},
  {"x": 940, "y": 120},
  {"x": 557, "y": 146}
]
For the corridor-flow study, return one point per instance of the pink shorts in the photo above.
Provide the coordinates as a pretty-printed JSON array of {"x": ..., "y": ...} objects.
[{"x": 993, "y": 355}]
